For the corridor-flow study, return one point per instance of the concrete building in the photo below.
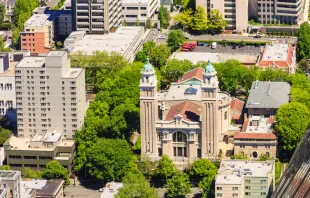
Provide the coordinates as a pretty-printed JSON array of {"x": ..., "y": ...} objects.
[
  {"x": 235, "y": 12},
  {"x": 38, "y": 34},
  {"x": 7, "y": 88},
  {"x": 278, "y": 56},
  {"x": 140, "y": 10},
  {"x": 294, "y": 182},
  {"x": 127, "y": 41},
  {"x": 245, "y": 179},
  {"x": 96, "y": 16},
  {"x": 45, "y": 188},
  {"x": 187, "y": 121},
  {"x": 277, "y": 11},
  {"x": 10, "y": 181},
  {"x": 266, "y": 97},
  {"x": 50, "y": 95},
  {"x": 37, "y": 151}
]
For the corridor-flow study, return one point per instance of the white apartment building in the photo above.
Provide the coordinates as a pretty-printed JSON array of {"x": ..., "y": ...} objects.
[
  {"x": 277, "y": 11},
  {"x": 138, "y": 10},
  {"x": 235, "y": 12},
  {"x": 10, "y": 184},
  {"x": 49, "y": 94},
  {"x": 7, "y": 87},
  {"x": 96, "y": 16}
]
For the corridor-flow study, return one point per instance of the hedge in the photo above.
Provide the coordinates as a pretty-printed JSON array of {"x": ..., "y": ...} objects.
[{"x": 234, "y": 42}]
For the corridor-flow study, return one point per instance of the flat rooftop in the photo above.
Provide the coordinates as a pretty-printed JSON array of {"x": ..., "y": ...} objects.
[
  {"x": 10, "y": 71},
  {"x": 268, "y": 94},
  {"x": 39, "y": 20},
  {"x": 47, "y": 137},
  {"x": 33, "y": 61},
  {"x": 119, "y": 41},
  {"x": 8, "y": 174},
  {"x": 177, "y": 92},
  {"x": 195, "y": 57},
  {"x": 276, "y": 52},
  {"x": 233, "y": 171},
  {"x": 43, "y": 187},
  {"x": 73, "y": 73},
  {"x": 264, "y": 126},
  {"x": 135, "y": 1}
]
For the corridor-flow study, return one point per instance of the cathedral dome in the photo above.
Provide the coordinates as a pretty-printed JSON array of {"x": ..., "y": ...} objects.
[
  {"x": 147, "y": 66},
  {"x": 209, "y": 68}
]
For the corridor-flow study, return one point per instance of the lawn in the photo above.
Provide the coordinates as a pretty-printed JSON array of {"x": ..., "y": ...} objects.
[{"x": 278, "y": 172}]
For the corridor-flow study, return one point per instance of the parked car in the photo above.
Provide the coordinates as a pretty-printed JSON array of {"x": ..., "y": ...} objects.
[
  {"x": 234, "y": 46},
  {"x": 161, "y": 37},
  {"x": 101, "y": 189}
]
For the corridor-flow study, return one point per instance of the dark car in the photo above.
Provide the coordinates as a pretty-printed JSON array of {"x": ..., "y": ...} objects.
[{"x": 234, "y": 46}]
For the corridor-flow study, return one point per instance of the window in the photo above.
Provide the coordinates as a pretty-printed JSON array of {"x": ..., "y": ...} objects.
[
  {"x": 242, "y": 146},
  {"x": 179, "y": 137},
  {"x": 30, "y": 157},
  {"x": 235, "y": 188},
  {"x": 267, "y": 147},
  {"x": 30, "y": 165},
  {"x": 263, "y": 181},
  {"x": 225, "y": 115},
  {"x": 263, "y": 193},
  {"x": 254, "y": 146},
  {"x": 247, "y": 181},
  {"x": 219, "y": 188},
  {"x": 263, "y": 187},
  {"x": 15, "y": 156},
  {"x": 219, "y": 194},
  {"x": 247, "y": 193},
  {"x": 247, "y": 187},
  {"x": 45, "y": 158},
  {"x": 235, "y": 194}
]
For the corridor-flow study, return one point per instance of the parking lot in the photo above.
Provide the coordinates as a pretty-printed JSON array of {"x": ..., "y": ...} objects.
[
  {"x": 81, "y": 192},
  {"x": 228, "y": 49}
]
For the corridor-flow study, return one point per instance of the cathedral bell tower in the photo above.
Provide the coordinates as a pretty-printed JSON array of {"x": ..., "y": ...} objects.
[
  {"x": 209, "y": 131},
  {"x": 148, "y": 110}
]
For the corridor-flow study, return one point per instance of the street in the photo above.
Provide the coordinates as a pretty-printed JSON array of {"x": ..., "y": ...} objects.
[
  {"x": 238, "y": 37},
  {"x": 81, "y": 192}
]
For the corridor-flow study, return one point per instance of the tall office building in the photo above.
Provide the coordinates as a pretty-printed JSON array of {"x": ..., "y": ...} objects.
[
  {"x": 277, "y": 11},
  {"x": 295, "y": 181},
  {"x": 49, "y": 95},
  {"x": 235, "y": 12},
  {"x": 96, "y": 16}
]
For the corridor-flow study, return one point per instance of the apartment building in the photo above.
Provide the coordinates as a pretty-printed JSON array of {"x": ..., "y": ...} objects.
[
  {"x": 38, "y": 34},
  {"x": 49, "y": 95},
  {"x": 7, "y": 87},
  {"x": 245, "y": 179},
  {"x": 277, "y": 11},
  {"x": 96, "y": 16},
  {"x": 37, "y": 151},
  {"x": 10, "y": 184},
  {"x": 235, "y": 12},
  {"x": 138, "y": 11}
]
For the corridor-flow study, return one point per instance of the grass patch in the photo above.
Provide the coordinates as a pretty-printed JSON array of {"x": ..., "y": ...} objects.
[{"x": 278, "y": 172}]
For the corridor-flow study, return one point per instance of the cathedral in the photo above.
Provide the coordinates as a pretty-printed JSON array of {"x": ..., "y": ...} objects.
[{"x": 187, "y": 121}]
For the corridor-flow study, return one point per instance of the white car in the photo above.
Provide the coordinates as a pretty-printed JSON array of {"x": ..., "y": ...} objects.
[
  {"x": 101, "y": 189},
  {"x": 273, "y": 39},
  {"x": 161, "y": 37}
]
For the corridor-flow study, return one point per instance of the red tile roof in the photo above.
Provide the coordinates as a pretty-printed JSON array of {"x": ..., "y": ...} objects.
[
  {"x": 286, "y": 63},
  {"x": 237, "y": 105},
  {"x": 188, "y": 110},
  {"x": 195, "y": 73},
  {"x": 255, "y": 136}
]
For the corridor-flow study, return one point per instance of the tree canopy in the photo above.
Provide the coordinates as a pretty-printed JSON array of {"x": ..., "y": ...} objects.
[
  {"x": 4, "y": 135},
  {"x": 164, "y": 16},
  {"x": 33, "y": 174},
  {"x": 108, "y": 159},
  {"x": 199, "y": 20},
  {"x": 202, "y": 168},
  {"x": 165, "y": 168},
  {"x": 175, "y": 39},
  {"x": 178, "y": 185},
  {"x": 53, "y": 170},
  {"x": 303, "y": 41},
  {"x": 5, "y": 167}
]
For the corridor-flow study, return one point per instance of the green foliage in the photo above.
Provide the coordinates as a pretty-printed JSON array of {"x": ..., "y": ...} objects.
[
  {"x": 5, "y": 167},
  {"x": 33, "y": 174},
  {"x": 4, "y": 135},
  {"x": 137, "y": 146},
  {"x": 205, "y": 185},
  {"x": 292, "y": 121},
  {"x": 59, "y": 5},
  {"x": 5, "y": 26},
  {"x": 175, "y": 39},
  {"x": 278, "y": 169},
  {"x": 303, "y": 41},
  {"x": 99, "y": 66},
  {"x": 202, "y": 168},
  {"x": 158, "y": 54},
  {"x": 303, "y": 66},
  {"x": 185, "y": 18},
  {"x": 53, "y": 170},
  {"x": 2, "y": 46},
  {"x": 178, "y": 185},
  {"x": 109, "y": 159},
  {"x": 199, "y": 20},
  {"x": 148, "y": 23},
  {"x": 175, "y": 69},
  {"x": 58, "y": 45},
  {"x": 146, "y": 166},
  {"x": 165, "y": 168},
  {"x": 2, "y": 13},
  {"x": 135, "y": 185},
  {"x": 216, "y": 21},
  {"x": 239, "y": 156},
  {"x": 264, "y": 158},
  {"x": 137, "y": 22},
  {"x": 164, "y": 17}
]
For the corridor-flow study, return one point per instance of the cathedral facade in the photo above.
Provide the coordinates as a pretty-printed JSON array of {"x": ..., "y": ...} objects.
[{"x": 187, "y": 121}]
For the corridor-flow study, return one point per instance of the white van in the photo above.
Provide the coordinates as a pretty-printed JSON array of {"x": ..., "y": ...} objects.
[{"x": 213, "y": 46}]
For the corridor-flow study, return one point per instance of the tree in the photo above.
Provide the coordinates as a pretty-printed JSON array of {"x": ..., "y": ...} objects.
[
  {"x": 165, "y": 168},
  {"x": 146, "y": 166},
  {"x": 303, "y": 66},
  {"x": 164, "y": 16},
  {"x": 135, "y": 185},
  {"x": 216, "y": 21},
  {"x": 264, "y": 158},
  {"x": 199, "y": 21},
  {"x": 109, "y": 159},
  {"x": 303, "y": 41},
  {"x": 185, "y": 18},
  {"x": 137, "y": 22},
  {"x": 34, "y": 174},
  {"x": 148, "y": 23},
  {"x": 5, "y": 167},
  {"x": 292, "y": 121},
  {"x": 205, "y": 185},
  {"x": 53, "y": 170},
  {"x": 202, "y": 168},
  {"x": 175, "y": 39},
  {"x": 174, "y": 69},
  {"x": 2, "y": 13},
  {"x": 58, "y": 45},
  {"x": 178, "y": 185},
  {"x": 4, "y": 135}
]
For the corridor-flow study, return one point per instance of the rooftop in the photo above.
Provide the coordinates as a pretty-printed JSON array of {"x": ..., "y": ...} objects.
[
  {"x": 177, "y": 92},
  {"x": 112, "y": 190},
  {"x": 233, "y": 171},
  {"x": 196, "y": 57},
  {"x": 46, "y": 137},
  {"x": 73, "y": 73},
  {"x": 33, "y": 61},
  {"x": 10, "y": 71},
  {"x": 188, "y": 110},
  {"x": 135, "y": 1},
  {"x": 39, "y": 20},
  {"x": 119, "y": 41},
  {"x": 268, "y": 94},
  {"x": 43, "y": 187},
  {"x": 260, "y": 136},
  {"x": 258, "y": 124},
  {"x": 8, "y": 174}
]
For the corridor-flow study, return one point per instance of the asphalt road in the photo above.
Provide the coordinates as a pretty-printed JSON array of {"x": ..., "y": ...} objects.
[
  {"x": 81, "y": 192},
  {"x": 237, "y": 37}
]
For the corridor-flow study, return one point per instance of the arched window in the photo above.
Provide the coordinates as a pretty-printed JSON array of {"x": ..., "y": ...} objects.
[{"x": 179, "y": 137}]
